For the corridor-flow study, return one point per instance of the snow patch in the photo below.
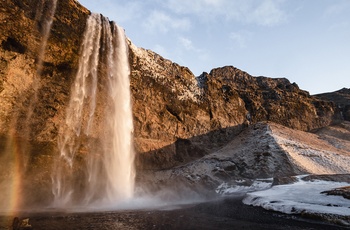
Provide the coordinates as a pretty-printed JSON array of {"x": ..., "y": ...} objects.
[
  {"x": 153, "y": 65},
  {"x": 240, "y": 187},
  {"x": 316, "y": 161},
  {"x": 301, "y": 196}
]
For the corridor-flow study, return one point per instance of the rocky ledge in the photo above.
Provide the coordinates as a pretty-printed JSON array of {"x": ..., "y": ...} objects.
[{"x": 342, "y": 191}]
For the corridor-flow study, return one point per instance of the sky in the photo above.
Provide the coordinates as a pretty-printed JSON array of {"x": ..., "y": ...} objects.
[{"x": 306, "y": 41}]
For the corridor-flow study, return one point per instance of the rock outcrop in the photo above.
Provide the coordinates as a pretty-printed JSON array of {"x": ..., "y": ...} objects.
[
  {"x": 20, "y": 39},
  {"x": 212, "y": 109},
  {"x": 341, "y": 99}
]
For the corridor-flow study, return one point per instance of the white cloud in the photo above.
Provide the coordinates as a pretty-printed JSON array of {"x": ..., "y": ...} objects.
[
  {"x": 159, "y": 21},
  {"x": 337, "y": 8},
  {"x": 241, "y": 38},
  {"x": 268, "y": 13},
  {"x": 193, "y": 6},
  {"x": 120, "y": 12},
  {"x": 337, "y": 14},
  {"x": 260, "y": 12},
  {"x": 187, "y": 45}
]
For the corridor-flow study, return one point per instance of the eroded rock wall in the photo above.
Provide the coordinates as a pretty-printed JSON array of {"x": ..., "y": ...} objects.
[
  {"x": 21, "y": 40},
  {"x": 341, "y": 99}
]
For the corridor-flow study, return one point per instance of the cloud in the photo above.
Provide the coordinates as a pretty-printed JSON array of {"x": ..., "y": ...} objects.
[
  {"x": 337, "y": 14},
  {"x": 268, "y": 13},
  {"x": 187, "y": 45},
  {"x": 193, "y": 6},
  {"x": 241, "y": 38},
  {"x": 159, "y": 21},
  {"x": 337, "y": 8},
  {"x": 115, "y": 10},
  {"x": 260, "y": 12}
]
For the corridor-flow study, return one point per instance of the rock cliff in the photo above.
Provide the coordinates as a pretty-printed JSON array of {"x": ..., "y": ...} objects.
[
  {"x": 20, "y": 39},
  {"x": 212, "y": 108},
  {"x": 341, "y": 99}
]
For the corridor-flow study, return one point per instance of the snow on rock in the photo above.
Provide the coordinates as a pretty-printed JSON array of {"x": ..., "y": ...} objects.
[
  {"x": 302, "y": 197},
  {"x": 311, "y": 153},
  {"x": 264, "y": 150},
  {"x": 182, "y": 83},
  {"x": 241, "y": 187}
]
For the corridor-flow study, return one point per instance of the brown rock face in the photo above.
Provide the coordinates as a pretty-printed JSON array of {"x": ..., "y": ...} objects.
[
  {"x": 34, "y": 92},
  {"x": 215, "y": 107},
  {"x": 341, "y": 99},
  {"x": 21, "y": 40},
  {"x": 175, "y": 118},
  {"x": 275, "y": 100}
]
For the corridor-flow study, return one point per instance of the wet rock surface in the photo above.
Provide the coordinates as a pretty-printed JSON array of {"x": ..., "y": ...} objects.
[{"x": 342, "y": 191}]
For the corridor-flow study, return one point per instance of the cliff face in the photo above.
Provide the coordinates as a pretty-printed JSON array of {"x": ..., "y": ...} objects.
[
  {"x": 22, "y": 32},
  {"x": 341, "y": 99},
  {"x": 177, "y": 117},
  {"x": 35, "y": 83},
  {"x": 211, "y": 108}
]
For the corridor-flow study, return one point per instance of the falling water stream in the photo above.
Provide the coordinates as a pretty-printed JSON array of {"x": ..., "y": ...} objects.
[
  {"x": 96, "y": 156},
  {"x": 45, "y": 19}
]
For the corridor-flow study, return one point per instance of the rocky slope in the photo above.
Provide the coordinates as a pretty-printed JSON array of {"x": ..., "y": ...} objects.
[{"x": 264, "y": 150}]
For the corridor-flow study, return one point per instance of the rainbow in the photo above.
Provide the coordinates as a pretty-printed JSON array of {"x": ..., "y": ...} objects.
[{"x": 10, "y": 196}]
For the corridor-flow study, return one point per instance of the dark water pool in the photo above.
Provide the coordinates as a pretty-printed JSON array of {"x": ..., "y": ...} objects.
[{"x": 228, "y": 213}]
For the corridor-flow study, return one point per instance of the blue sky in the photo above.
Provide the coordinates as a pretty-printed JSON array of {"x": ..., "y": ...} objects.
[{"x": 306, "y": 41}]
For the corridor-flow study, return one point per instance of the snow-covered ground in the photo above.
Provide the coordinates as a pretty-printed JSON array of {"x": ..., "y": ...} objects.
[
  {"x": 302, "y": 197},
  {"x": 242, "y": 188},
  {"x": 314, "y": 153},
  {"x": 326, "y": 152},
  {"x": 269, "y": 150}
]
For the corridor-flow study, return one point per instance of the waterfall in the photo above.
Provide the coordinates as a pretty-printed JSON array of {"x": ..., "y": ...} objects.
[
  {"x": 44, "y": 18},
  {"x": 96, "y": 156},
  {"x": 120, "y": 162}
]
